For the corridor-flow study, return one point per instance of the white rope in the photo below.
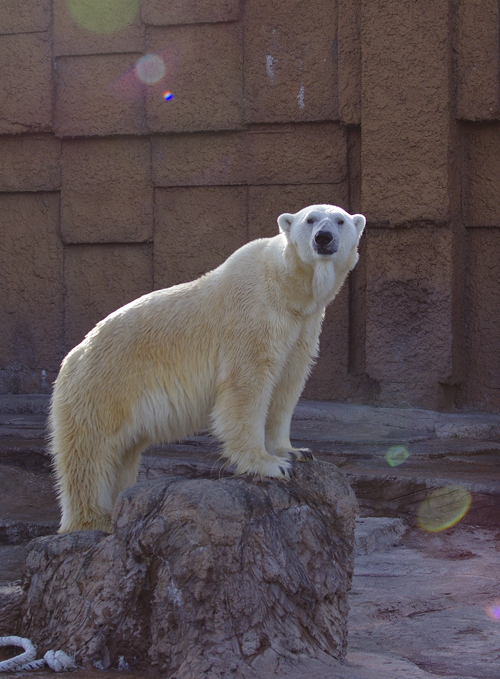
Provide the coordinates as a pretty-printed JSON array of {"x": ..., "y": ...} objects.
[{"x": 59, "y": 661}]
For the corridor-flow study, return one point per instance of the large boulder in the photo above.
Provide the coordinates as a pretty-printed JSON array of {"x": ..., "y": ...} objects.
[{"x": 204, "y": 577}]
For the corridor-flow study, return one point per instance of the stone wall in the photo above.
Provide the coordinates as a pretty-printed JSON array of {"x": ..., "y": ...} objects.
[{"x": 108, "y": 192}]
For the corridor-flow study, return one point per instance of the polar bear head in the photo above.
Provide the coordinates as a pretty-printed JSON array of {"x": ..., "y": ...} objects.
[
  {"x": 325, "y": 237},
  {"x": 323, "y": 233}
]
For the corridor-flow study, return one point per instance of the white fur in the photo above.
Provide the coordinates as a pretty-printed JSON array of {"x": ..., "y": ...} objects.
[{"x": 230, "y": 351}]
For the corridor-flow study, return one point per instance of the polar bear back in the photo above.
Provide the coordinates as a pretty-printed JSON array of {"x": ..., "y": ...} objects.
[{"x": 159, "y": 355}]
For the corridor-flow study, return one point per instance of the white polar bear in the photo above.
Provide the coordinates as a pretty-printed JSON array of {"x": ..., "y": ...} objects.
[{"x": 230, "y": 350}]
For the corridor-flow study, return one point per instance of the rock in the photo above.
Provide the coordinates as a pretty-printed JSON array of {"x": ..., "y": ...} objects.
[
  {"x": 374, "y": 533},
  {"x": 28, "y": 505},
  {"x": 212, "y": 577},
  {"x": 11, "y": 599}
]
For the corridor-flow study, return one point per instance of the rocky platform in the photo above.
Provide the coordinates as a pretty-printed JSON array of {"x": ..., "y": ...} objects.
[{"x": 423, "y": 605}]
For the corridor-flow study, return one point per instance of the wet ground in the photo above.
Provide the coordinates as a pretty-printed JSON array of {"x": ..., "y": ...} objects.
[{"x": 425, "y": 603}]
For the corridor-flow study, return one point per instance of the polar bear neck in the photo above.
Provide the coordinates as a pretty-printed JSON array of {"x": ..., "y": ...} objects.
[
  {"x": 312, "y": 286},
  {"x": 323, "y": 282}
]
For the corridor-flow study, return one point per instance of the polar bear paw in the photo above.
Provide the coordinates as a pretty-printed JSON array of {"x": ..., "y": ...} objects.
[
  {"x": 282, "y": 469},
  {"x": 295, "y": 454},
  {"x": 273, "y": 466},
  {"x": 303, "y": 454}
]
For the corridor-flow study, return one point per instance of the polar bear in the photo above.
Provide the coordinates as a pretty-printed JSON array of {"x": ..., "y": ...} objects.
[{"x": 230, "y": 351}]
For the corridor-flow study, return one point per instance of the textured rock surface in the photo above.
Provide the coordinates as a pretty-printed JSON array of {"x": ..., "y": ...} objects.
[
  {"x": 202, "y": 577},
  {"x": 125, "y": 214},
  {"x": 31, "y": 258},
  {"x": 86, "y": 268},
  {"x": 483, "y": 340},
  {"x": 425, "y": 608},
  {"x": 417, "y": 296},
  {"x": 11, "y": 598}
]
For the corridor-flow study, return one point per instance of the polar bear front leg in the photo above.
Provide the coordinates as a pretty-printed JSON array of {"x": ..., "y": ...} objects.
[
  {"x": 285, "y": 397},
  {"x": 238, "y": 419},
  {"x": 278, "y": 428}
]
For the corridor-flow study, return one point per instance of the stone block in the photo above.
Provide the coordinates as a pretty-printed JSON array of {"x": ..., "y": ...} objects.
[
  {"x": 159, "y": 13},
  {"x": 100, "y": 279},
  {"x": 189, "y": 221},
  {"x": 267, "y": 154},
  {"x": 298, "y": 154},
  {"x": 355, "y": 170},
  {"x": 30, "y": 163},
  {"x": 349, "y": 61},
  {"x": 102, "y": 30},
  {"x": 477, "y": 59},
  {"x": 410, "y": 314},
  {"x": 98, "y": 95},
  {"x": 266, "y": 203},
  {"x": 204, "y": 158},
  {"x": 406, "y": 118},
  {"x": 482, "y": 321},
  {"x": 211, "y": 576},
  {"x": 290, "y": 61},
  {"x": 481, "y": 178},
  {"x": 329, "y": 379},
  {"x": 29, "y": 16},
  {"x": 357, "y": 313},
  {"x": 26, "y": 83},
  {"x": 107, "y": 195},
  {"x": 204, "y": 71},
  {"x": 31, "y": 308}
]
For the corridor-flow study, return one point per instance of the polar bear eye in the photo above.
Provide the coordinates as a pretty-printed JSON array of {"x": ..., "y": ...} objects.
[
  {"x": 340, "y": 222},
  {"x": 311, "y": 220}
]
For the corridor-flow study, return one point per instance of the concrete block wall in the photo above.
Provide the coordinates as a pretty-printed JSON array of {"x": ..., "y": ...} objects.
[{"x": 108, "y": 192}]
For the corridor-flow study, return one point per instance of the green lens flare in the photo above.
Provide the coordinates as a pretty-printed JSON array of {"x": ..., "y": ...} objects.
[
  {"x": 103, "y": 16},
  {"x": 396, "y": 455},
  {"x": 443, "y": 508}
]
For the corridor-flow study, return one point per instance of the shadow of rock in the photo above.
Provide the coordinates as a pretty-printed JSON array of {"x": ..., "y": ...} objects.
[{"x": 216, "y": 577}]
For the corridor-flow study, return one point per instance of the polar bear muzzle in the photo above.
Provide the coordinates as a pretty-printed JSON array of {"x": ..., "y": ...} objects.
[{"x": 326, "y": 242}]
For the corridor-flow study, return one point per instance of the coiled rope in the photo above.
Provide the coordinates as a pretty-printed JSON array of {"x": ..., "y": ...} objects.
[{"x": 59, "y": 661}]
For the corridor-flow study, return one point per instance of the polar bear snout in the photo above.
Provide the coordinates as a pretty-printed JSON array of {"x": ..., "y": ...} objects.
[{"x": 325, "y": 242}]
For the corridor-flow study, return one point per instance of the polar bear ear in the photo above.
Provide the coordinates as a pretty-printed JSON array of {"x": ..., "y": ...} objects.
[
  {"x": 285, "y": 222},
  {"x": 359, "y": 223}
]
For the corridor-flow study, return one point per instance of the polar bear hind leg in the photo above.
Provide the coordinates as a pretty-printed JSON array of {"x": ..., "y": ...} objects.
[{"x": 91, "y": 474}]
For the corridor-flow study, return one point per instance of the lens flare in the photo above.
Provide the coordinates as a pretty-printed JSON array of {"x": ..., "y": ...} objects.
[
  {"x": 167, "y": 95},
  {"x": 145, "y": 75},
  {"x": 150, "y": 69},
  {"x": 103, "y": 16},
  {"x": 443, "y": 508},
  {"x": 493, "y": 611},
  {"x": 396, "y": 455}
]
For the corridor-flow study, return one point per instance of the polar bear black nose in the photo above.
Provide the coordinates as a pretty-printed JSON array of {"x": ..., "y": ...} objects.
[
  {"x": 323, "y": 238},
  {"x": 326, "y": 242}
]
